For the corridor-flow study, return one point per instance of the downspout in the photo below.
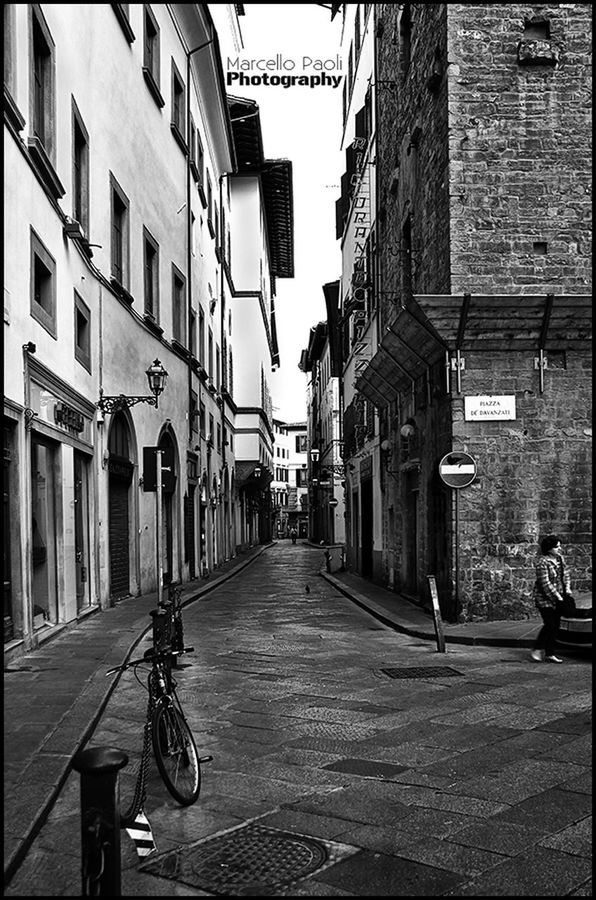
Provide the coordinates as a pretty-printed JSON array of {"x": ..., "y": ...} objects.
[{"x": 30, "y": 639}]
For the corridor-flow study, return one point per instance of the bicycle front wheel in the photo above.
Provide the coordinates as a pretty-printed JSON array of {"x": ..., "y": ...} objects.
[{"x": 176, "y": 754}]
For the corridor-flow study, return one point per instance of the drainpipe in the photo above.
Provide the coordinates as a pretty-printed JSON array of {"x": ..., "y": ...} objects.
[
  {"x": 190, "y": 53},
  {"x": 30, "y": 639}
]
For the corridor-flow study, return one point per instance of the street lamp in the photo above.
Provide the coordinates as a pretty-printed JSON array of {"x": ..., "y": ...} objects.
[{"x": 156, "y": 376}]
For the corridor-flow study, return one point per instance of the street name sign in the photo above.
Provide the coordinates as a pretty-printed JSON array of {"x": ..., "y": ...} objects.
[
  {"x": 489, "y": 408},
  {"x": 457, "y": 469}
]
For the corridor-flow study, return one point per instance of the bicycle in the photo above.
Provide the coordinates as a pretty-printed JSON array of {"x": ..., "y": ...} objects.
[{"x": 168, "y": 732}]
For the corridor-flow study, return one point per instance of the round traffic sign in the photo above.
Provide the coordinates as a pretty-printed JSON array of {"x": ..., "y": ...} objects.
[
  {"x": 457, "y": 469},
  {"x": 334, "y": 501}
]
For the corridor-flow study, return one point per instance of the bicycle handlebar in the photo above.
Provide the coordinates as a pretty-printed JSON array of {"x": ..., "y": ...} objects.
[{"x": 150, "y": 657}]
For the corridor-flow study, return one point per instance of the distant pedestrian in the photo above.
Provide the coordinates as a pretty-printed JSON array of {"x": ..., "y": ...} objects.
[
  {"x": 293, "y": 535},
  {"x": 552, "y": 592}
]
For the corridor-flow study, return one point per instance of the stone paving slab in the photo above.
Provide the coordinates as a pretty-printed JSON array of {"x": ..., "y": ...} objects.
[{"x": 280, "y": 778}]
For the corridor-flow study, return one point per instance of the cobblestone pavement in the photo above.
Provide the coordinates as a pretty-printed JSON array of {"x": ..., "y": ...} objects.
[{"x": 333, "y": 773}]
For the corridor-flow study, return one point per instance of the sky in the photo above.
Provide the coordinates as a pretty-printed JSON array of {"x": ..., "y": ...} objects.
[{"x": 300, "y": 123}]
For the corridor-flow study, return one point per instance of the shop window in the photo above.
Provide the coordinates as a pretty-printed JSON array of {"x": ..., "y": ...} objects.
[
  {"x": 82, "y": 332},
  {"x": 43, "y": 535},
  {"x": 43, "y": 285}
]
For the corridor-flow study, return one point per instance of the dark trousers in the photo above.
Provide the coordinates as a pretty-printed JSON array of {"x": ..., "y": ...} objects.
[{"x": 547, "y": 636}]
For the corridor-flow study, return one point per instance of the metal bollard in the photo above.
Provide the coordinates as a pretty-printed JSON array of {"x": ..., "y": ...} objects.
[
  {"x": 162, "y": 627},
  {"x": 100, "y": 820}
]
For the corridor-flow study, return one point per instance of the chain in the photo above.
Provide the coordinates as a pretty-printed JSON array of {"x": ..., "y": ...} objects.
[
  {"x": 94, "y": 848},
  {"x": 140, "y": 793}
]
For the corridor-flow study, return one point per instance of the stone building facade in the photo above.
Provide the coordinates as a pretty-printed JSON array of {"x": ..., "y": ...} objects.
[{"x": 483, "y": 284}]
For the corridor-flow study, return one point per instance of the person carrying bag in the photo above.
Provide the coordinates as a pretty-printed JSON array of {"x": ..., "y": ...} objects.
[{"x": 552, "y": 596}]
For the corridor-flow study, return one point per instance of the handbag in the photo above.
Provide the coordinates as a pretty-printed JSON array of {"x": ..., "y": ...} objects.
[{"x": 566, "y": 607}]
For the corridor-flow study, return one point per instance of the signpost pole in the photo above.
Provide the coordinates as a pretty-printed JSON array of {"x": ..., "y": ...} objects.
[
  {"x": 158, "y": 495},
  {"x": 456, "y": 559}
]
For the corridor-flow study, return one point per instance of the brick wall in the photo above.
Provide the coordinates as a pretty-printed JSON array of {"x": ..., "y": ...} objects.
[
  {"x": 496, "y": 188},
  {"x": 533, "y": 478},
  {"x": 519, "y": 148}
]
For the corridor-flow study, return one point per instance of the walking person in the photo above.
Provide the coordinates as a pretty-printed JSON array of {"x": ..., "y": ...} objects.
[{"x": 552, "y": 591}]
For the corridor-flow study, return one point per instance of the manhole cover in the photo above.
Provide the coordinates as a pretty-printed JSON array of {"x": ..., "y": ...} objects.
[
  {"x": 426, "y": 672},
  {"x": 368, "y": 767},
  {"x": 249, "y": 861}
]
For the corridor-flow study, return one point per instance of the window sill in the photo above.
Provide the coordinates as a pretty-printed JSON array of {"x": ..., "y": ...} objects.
[
  {"x": 153, "y": 87},
  {"x": 121, "y": 291},
  {"x": 202, "y": 196},
  {"x": 151, "y": 323},
  {"x": 211, "y": 228},
  {"x": 12, "y": 114},
  {"x": 179, "y": 138},
  {"x": 179, "y": 348},
  {"x": 123, "y": 22},
  {"x": 194, "y": 171},
  {"x": 44, "y": 167},
  {"x": 84, "y": 360},
  {"x": 44, "y": 318}
]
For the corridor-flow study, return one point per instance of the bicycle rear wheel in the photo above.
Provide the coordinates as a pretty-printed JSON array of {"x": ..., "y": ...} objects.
[{"x": 176, "y": 754}]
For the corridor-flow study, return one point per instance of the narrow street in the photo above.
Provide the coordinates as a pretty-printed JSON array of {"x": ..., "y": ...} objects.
[{"x": 333, "y": 774}]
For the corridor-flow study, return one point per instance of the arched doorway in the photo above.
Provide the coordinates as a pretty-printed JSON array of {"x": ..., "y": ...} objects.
[{"x": 120, "y": 470}]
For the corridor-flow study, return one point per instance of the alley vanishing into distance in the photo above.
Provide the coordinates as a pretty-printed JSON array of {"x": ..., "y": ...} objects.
[{"x": 333, "y": 774}]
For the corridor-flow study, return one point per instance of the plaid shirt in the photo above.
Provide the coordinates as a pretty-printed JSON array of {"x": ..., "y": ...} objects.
[{"x": 552, "y": 582}]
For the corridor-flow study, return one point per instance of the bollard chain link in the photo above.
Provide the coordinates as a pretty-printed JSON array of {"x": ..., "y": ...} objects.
[{"x": 94, "y": 855}]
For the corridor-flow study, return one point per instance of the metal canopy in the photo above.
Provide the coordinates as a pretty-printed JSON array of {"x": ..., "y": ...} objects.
[
  {"x": 409, "y": 346},
  {"x": 420, "y": 335},
  {"x": 510, "y": 322}
]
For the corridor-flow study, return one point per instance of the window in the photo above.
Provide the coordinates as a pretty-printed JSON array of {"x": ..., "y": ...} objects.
[
  {"x": 201, "y": 347},
  {"x": 210, "y": 355},
  {"x": 42, "y": 81},
  {"x": 201, "y": 170},
  {"x": 178, "y": 107},
  {"x": 178, "y": 305},
  {"x": 151, "y": 281},
  {"x": 80, "y": 170},
  {"x": 211, "y": 428},
  {"x": 43, "y": 285},
  {"x": 192, "y": 338},
  {"x": 120, "y": 241},
  {"x": 82, "y": 332},
  {"x": 217, "y": 368},
  {"x": 194, "y": 411},
  {"x": 151, "y": 55},
  {"x": 210, "y": 206},
  {"x": 218, "y": 438},
  {"x": 301, "y": 443},
  {"x": 192, "y": 149}
]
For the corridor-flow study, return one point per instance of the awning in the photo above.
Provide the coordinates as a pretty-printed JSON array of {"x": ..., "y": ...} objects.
[
  {"x": 409, "y": 346},
  {"x": 510, "y": 322},
  {"x": 419, "y": 336},
  {"x": 245, "y": 475}
]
